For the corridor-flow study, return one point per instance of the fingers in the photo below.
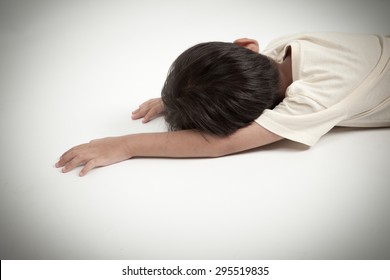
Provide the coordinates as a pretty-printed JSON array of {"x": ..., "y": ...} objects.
[
  {"x": 148, "y": 110},
  {"x": 142, "y": 110},
  {"x": 72, "y": 159},
  {"x": 88, "y": 167},
  {"x": 72, "y": 164},
  {"x": 150, "y": 115},
  {"x": 68, "y": 156},
  {"x": 136, "y": 114},
  {"x": 78, "y": 161}
]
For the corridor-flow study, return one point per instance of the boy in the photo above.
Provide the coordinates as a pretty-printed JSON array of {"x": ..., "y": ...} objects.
[{"x": 223, "y": 98}]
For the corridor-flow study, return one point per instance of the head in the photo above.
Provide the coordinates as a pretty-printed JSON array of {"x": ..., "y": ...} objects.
[{"x": 220, "y": 87}]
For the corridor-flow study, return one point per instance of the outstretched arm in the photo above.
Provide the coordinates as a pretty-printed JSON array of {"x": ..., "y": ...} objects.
[{"x": 186, "y": 143}]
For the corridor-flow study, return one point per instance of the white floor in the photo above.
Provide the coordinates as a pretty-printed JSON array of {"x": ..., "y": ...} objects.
[{"x": 72, "y": 71}]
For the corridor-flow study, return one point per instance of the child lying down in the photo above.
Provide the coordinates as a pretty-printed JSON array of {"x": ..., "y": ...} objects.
[{"x": 222, "y": 98}]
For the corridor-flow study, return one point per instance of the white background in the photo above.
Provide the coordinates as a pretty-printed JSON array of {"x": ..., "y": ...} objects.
[{"x": 72, "y": 71}]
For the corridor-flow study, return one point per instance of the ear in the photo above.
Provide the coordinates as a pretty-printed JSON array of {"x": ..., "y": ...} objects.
[{"x": 250, "y": 44}]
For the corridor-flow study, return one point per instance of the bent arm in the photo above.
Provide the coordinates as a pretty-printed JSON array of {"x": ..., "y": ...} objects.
[{"x": 189, "y": 143}]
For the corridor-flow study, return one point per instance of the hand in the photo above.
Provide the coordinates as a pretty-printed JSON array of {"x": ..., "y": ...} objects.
[
  {"x": 149, "y": 110},
  {"x": 96, "y": 153}
]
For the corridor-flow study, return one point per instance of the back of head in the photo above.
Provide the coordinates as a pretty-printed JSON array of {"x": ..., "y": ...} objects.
[{"x": 218, "y": 88}]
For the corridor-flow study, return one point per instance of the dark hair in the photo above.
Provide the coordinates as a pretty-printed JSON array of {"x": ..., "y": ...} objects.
[{"x": 218, "y": 88}]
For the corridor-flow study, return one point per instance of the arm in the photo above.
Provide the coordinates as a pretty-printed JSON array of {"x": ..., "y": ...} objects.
[
  {"x": 186, "y": 143},
  {"x": 190, "y": 143}
]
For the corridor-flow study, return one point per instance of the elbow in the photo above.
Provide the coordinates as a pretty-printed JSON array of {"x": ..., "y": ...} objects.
[{"x": 222, "y": 147}]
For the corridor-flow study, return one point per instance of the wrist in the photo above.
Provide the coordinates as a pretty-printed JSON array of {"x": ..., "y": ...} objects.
[
  {"x": 129, "y": 145},
  {"x": 139, "y": 145}
]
